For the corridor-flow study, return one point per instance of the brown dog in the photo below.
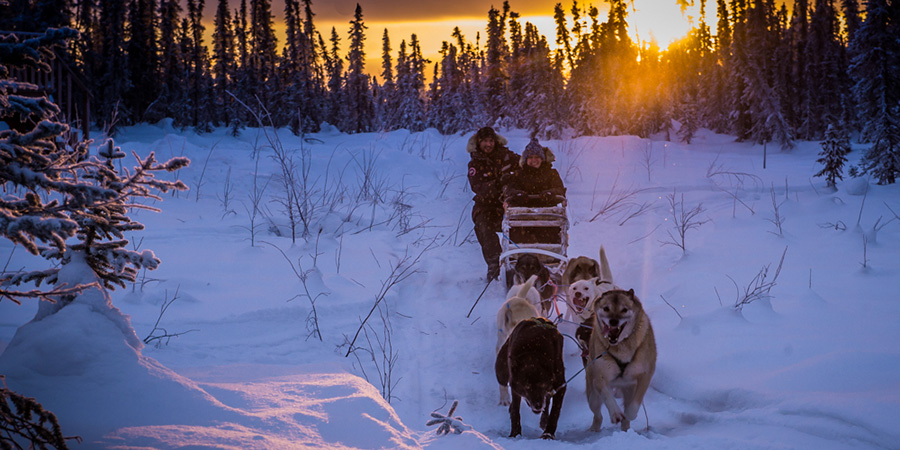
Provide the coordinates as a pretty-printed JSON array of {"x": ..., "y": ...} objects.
[
  {"x": 580, "y": 268},
  {"x": 527, "y": 265},
  {"x": 622, "y": 357},
  {"x": 531, "y": 363}
]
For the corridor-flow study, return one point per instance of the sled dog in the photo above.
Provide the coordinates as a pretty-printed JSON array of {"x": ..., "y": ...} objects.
[
  {"x": 622, "y": 357},
  {"x": 579, "y": 296},
  {"x": 531, "y": 363},
  {"x": 532, "y": 295},
  {"x": 514, "y": 310},
  {"x": 528, "y": 265},
  {"x": 580, "y": 268}
]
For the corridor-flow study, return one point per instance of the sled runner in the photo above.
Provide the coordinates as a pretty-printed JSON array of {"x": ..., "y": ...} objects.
[{"x": 542, "y": 231}]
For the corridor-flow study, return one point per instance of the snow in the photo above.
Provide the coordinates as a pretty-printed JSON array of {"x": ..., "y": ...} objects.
[{"x": 815, "y": 365}]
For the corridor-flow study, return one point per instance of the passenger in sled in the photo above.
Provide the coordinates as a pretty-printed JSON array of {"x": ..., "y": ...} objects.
[{"x": 536, "y": 183}]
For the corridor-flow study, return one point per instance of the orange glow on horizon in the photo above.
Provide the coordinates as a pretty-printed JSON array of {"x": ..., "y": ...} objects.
[{"x": 660, "y": 21}]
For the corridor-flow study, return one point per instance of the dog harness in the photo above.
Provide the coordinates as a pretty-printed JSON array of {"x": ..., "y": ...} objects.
[
  {"x": 540, "y": 321},
  {"x": 566, "y": 383}
]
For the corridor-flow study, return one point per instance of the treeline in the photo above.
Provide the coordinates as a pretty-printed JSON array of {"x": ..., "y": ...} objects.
[{"x": 765, "y": 75}]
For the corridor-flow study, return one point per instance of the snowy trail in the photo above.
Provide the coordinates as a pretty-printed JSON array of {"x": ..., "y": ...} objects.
[{"x": 814, "y": 366}]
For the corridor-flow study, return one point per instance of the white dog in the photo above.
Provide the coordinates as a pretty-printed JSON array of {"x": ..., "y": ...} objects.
[
  {"x": 514, "y": 310},
  {"x": 581, "y": 293},
  {"x": 532, "y": 295},
  {"x": 580, "y": 298}
]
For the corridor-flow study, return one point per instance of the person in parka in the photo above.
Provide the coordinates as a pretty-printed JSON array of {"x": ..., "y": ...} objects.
[
  {"x": 490, "y": 167},
  {"x": 537, "y": 183}
]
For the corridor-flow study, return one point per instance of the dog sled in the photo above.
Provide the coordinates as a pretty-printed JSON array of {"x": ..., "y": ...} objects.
[{"x": 542, "y": 231}]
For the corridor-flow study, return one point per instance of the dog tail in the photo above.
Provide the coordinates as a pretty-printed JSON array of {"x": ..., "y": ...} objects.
[
  {"x": 605, "y": 271},
  {"x": 523, "y": 291}
]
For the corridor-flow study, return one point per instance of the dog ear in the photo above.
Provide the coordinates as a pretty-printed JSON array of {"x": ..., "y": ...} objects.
[{"x": 631, "y": 293}]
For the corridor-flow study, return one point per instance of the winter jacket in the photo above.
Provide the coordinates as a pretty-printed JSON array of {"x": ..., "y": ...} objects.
[
  {"x": 535, "y": 186},
  {"x": 489, "y": 172}
]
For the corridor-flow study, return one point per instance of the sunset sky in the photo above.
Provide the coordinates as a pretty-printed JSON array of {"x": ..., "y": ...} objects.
[{"x": 433, "y": 20}]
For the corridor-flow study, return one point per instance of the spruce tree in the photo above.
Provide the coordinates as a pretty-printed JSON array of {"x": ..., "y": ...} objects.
[
  {"x": 142, "y": 51},
  {"x": 171, "y": 67},
  {"x": 199, "y": 70},
  {"x": 445, "y": 93},
  {"x": 289, "y": 66},
  {"x": 114, "y": 78},
  {"x": 263, "y": 57},
  {"x": 410, "y": 86},
  {"x": 223, "y": 71},
  {"x": 876, "y": 72},
  {"x": 56, "y": 193},
  {"x": 334, "y": 66},
  {"x": 852, "y": 21},
  {"x": 800, "y": 90},
  {"x": 359, "y": 107},
  {"x": 387, "y": 90},
  {"x": 241, "y": 84},
  {"x": 495, "y": 70},
  {"x": 767, "y": 122},
  {"x": 564, "y": 55},
  {"x": 823, "y": 69},
  {"x": 835, "y": 149},
  {"x": 310, "y": 77},
  {"x": 34, "y": 15}
]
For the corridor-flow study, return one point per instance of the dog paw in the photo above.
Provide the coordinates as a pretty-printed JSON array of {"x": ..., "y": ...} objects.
[
  {"x": 596, "y": 425},
  {"x": 504, "y": 396},
  {"x": 617, "y": 417},
  {"x": 548, "y": 436}
]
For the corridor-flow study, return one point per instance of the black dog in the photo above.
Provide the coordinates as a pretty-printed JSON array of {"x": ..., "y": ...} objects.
[
  {"x": 527, "y": 265},
  {"x": 531, "y": 363}
]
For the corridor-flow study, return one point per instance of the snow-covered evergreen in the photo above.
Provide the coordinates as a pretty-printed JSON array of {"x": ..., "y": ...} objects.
[
  {"x": 835, "y": 149},
  {"x": 876, "y": 71},
  {"x": 60, "y": 202}
]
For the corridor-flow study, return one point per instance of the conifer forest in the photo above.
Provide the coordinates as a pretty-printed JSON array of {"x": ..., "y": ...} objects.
[{"x": 769, "y": 72}]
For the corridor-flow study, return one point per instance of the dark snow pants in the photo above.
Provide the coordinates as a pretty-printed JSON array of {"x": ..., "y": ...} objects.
[{"x": 488, "y": 219}]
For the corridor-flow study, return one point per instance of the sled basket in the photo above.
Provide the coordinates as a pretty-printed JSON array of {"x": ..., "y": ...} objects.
[{"x": 542, "y": 231}]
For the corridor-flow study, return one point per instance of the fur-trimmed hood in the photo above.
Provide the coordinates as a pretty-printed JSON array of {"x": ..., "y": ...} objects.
[{"x": 472, "y": 146}]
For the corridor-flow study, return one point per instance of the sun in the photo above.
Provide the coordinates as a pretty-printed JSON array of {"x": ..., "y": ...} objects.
[{"x": 663, "y": 21}]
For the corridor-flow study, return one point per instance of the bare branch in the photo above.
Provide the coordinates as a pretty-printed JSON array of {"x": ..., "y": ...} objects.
[
  {"x": 163, "y": 333},
  {"x": 759, "y": 286},
  {"x": 682, "y": 221},
  {"x": 403, "y": 269}
]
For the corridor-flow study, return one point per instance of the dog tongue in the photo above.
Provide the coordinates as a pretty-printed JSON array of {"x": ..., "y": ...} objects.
[{"x": 613, "y": 334}]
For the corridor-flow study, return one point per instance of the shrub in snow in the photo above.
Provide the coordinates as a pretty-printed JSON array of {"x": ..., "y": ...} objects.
[{"x": 448, "y": 424}]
